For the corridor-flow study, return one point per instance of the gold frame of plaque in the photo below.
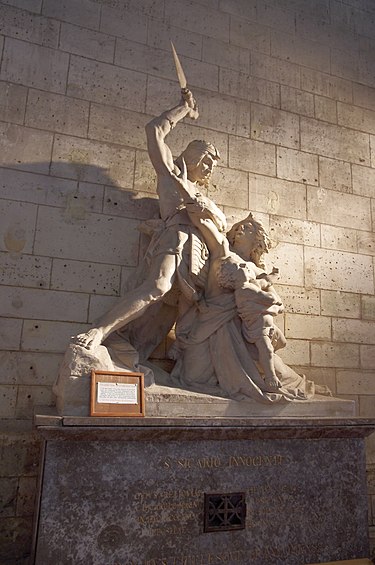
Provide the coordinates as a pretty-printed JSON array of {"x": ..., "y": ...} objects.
[
  {"x": 363, "y": 561},
  {"x": 124, "y": 393}
]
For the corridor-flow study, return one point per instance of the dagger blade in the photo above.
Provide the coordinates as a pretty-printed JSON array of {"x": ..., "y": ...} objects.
[{"x": 180, "y": 71}]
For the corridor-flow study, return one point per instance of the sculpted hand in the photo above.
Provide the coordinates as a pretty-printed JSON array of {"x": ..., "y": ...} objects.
[{"x": 191, "y": 103}]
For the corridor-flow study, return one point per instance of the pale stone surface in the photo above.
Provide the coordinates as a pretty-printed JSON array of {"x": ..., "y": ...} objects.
[
  {"x": 18, "y": 228},
  {"x": 337, "y": 303},
  {"x": 363, "y": 181},
  {"x": 301, "y": 51},
  {"x": 38, "y": 304},
  {"x": 366, "y": 243},
  {"x": 20, "y": 24},
  {"x": 276, "y": 196},
  {"x": 290, "y": 230},
  {"x": 31, "y": 187},
  {"x": 92, "y": 161},
  {"x": 130, "y": 204},
  {"x": 326, "y": 85},
  {"x": 355, "y": 382},
  {"x": 18, "y": 269},
  {"x": 298, "y": 101},
  {"x": 229, "y": 56},
  {"x": 26, "y": 148},
  {"x": 33, "y": 65},
  {"x": 334, "y": 141},
  {"x": 289, "y": 258},
  {"x": 335, "y": 174},
  {"x": 353, "y": 331},
  {"x": 368, "y": 307},
  {"x": 199, "y": 19},
  {"x": 356, "y": 118},
  {"x": 325, "y": 109},
  {"x": 250, "y": 35},
  {"x": 230, "y": 187},
  {"x": 248, "y": 87},
  {"x": 274, "y": 126},
  {"x": 52, "y": 337},
  {"x": 276, "y": 15},
  {"x": 263, "y": 66},
  {"x": 334, "y": 355},
  {"x": 297, "y": 166},
  {"x": 367, "y": 355},
  {"x": 84, "y": 238},
  {"x": 364, "y": 96},
  {"x": 88, "y": 43},
  {"x": 85, "y": 13},
  {"x": 31, "y": 5},
  {"x": 300, "y": 300},
  {"x": 336, "y": 270},
  {"x": 250, "y": 155},
  {"x": 342, "y": 239},
  {"x": 160, "y": 34},
  {"x": 297, "y": 352},
  {"x": 101, "y": 82},
  {"x": 123, "y": 23},
  {"x": 345, "y": 65},
  {"x": 246, "y": 9},
  {"x": 80, "y": 276},
  {"x": 144, "y": 174},
  {"x": 308, "y": 327},
  {"x": 30, "y": 396},
  {"x": 57, "y": 113},
  {"x": 12, "y": 102},
  {"x": 10, "y": 333},
  {"x": 338, "y": 209},
  {"x": 28, "y": 368},
  {"x": 8, "y": 399},
  {"x": 117, "y": 125},
  {"x": 99, "y": 305}
]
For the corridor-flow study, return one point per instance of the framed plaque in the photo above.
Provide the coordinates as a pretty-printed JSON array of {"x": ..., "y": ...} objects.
[{"x": 117, "y": 394}]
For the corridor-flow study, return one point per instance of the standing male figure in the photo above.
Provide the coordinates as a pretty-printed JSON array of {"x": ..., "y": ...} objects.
[{"x": 170, "y": 249}]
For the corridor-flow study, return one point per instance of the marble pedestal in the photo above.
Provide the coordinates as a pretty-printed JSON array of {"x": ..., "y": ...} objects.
[{"x": 131, "y": 491}]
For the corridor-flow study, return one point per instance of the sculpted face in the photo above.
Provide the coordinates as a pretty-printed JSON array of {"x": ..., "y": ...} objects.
[{"x": 202, "y": 172}]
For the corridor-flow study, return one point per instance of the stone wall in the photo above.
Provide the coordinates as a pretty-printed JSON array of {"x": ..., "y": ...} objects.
[{"x": 286, "y": 91}]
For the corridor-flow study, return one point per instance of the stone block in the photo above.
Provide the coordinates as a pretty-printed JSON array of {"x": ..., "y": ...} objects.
[
  {"x": 108, "y": 84},
  {"x": 357, "y": 118},
  {"x": 274, "y": 126},
  {"x": 117, "y": 125},
  {"x": 26, "y": 148},
  {"x": 152, "y": 8},
  {"x": 325, "y": 109},
  {"x": 20, "y": 24},
  {"x": 81, "y": 276},
  {"x": 290, "y": 230},
  {"x": 8, "y": 399},
  {"x": 18, "y": 227},
  {"x": 366, "y": 408},
  {"x": 86, "y": 42},
  {"x": 8, "y": 495},
  {"x": 343, "y": 304},
  {"x": 99, "y": 305},
  {"x": 160, "y": 34},
  {"x": 23, "y": 368},
  {"x": 320, "y": 375},
  {"x": 12, "y": 102},
  {"x": 276, "y": 15},
  {"x": 10, "y": 334},
  {"x": 296, "y": 352},
  {"x": 57, "y": 113},
  {"x": 254, "y": 156},
  {"x": 276, "y": 196},
  {"x": 246, "y": 9},
  {"x": 297, "y": 166},
  {"x": 38, "y": 189},
  {"x": 30, "y": 396},
  {"x": 337, "y": 270},
  {"x": 368, "y": 307},
  {"x": 197, "y": 18},
  {"x": 218, "y": 112},
  {"x": 124, "y": 23},
  {"x": 221, "y": 54},
  {"x": 363, "y": 181},
  {"x": 335, "y": 174},
  {"x": 29, "y": 5},
  {"x": 27, "y": 488},
  {"x": 300, "y": 51},
  {"x": 250, "y": 35},
  {"x": 367, "y": 355},
  {"x": 242, "y": 85},
  {"x": 85, "y": 13},
  {"x": 366, "y": 69},
  {"x": 18, "y": 269},
  {"x": 129, "y": 204},
  {"x": 231, "y": 187},
  {"x": 334, "y": 355},
  {"x": 289, "y": 259},
  {"x": 364, "y": 96},
  {"x": 366, "y": 243},
  {"x": 341, "y": 239},
  {"x": 372, "y": 146},
  {"x": 184, "y": 133},
  {"x": 345, "y": 64},
  {"x": 353, "y": 331},
  {"x": 334, "y": 141},
  {"x": 52, "y": 337},
  {"x": 326, "y": 85},
  {"x": 302, "y": 326},
  {"x": 92, "y": 161},
  {"x": 355, "y": 382},
  {"x": 43, "y": 304},
  {"x": 300, "y": 300},
  {"x": 270, "y": 68},
  {"x": 98, "y": 238},
  {"x": 338, "y": 208},
  {"x": 35, "y": 66},
  {"x": 298, "y": 101},
  {"x": 144, "y": 175},
  {"x": 321, "y": 31}
]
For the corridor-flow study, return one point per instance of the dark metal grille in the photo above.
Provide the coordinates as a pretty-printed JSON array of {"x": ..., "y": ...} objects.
[{"x": 224, "y": 512}]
